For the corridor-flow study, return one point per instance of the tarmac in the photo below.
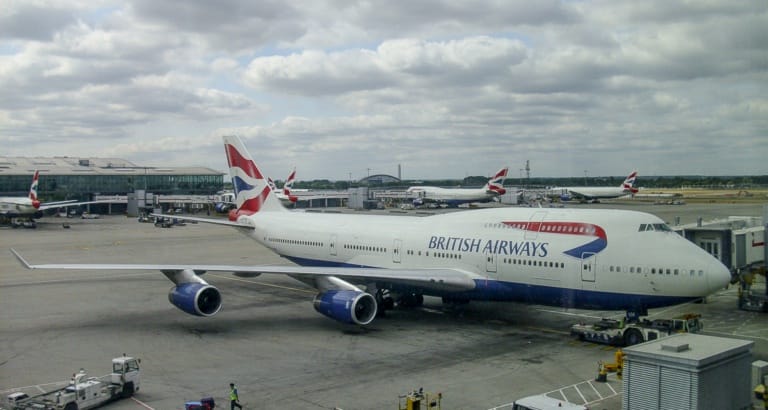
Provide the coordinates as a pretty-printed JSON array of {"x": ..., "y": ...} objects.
[{"x": 268, "y": 339}]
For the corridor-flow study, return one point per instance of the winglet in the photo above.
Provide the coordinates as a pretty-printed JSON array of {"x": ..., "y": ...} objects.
[{"x": 21, "y": 259}]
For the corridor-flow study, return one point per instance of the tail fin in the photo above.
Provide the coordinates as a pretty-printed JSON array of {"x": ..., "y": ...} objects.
[
  {"x": 289, "y": 185},
  {"x": 496, "y": 184},
  {"x": 629, "y": 183},
  {"x": 271, "y": 184},
  {"x": 289, "y": 182},
  {"x": 33, "y": 190},
  {"x": 252, "y": 192},
  {"x": 33, "y": 187}
]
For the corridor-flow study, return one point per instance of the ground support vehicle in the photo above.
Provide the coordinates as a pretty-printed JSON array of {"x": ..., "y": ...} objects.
[
  {"x": 420, "y": 400},
  {"x": 750, "y": 296},
  {"x": 623, "y": 333},
  {"x": 85, "y": 392}
]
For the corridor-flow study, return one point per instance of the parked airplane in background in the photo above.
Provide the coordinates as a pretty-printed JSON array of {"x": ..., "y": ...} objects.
[
  {"x": 361, "y": 264},
  {"x": 593, "y": 193},
  {"x": 226, "y": 201},
  {"x": 24, "y": 210},
  {"x": 284, "y": 195},
  {"x": 456, "y": 196}
]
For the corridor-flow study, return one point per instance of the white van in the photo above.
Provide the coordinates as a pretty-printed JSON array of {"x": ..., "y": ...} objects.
[{"x": 542, "y": 402}]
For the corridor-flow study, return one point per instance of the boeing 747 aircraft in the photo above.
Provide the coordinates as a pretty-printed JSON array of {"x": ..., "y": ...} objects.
[
  {"x": 601, "y": 259},
  {"x": 456, "y": 196},
  {"x": 594, "y": 193},
  {"x": 29, "y": 208}
]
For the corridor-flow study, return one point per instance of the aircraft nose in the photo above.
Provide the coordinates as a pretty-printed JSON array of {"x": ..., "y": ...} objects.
[{"x": 718, "y": 276}]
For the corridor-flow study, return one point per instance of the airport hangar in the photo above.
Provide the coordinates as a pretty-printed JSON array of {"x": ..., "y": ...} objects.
[{"x": 111, "y": 180}]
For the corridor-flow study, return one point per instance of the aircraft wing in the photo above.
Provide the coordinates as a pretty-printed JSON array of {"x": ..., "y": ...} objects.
[
  {"x": 203, "y": 220},
  {"x": 63, "y": 204},
  {"x": 437, "y": 279}
]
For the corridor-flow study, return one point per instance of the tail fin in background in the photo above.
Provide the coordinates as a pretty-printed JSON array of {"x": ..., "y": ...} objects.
[
  {"x": 289, "y": 182},
  {"x": 629, "y": 183},
  {"x": 271, "y": 184},
  {"x": 496, "y": 184},
  {"x": 33, "y": 190},
  {"x": 252, "y": 192},
  {"x": 33, "y": 187}
]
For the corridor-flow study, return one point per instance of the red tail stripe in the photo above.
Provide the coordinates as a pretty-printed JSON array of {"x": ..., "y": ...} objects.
[
  {"x": 253, "y": 205},
  {"x": 247, "y": 165}
]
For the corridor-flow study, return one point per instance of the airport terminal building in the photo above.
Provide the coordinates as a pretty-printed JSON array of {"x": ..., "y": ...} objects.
[{"x": 82, "y": 178}]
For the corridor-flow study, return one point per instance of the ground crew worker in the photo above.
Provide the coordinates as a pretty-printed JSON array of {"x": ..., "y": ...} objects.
[{"x": 234, "y": 399}]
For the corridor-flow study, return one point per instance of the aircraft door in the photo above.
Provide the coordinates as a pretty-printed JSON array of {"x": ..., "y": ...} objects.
[
  {"x": 490, "y": 262},
  {"x": 332, "y": 245},
  {"x": 534, "y": 225},
  {"x": 588, "y": 270},
  {"x": 397, "y": 249}
]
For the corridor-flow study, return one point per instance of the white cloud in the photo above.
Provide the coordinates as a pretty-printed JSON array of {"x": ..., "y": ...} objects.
[{"x": 443, "y": 88}]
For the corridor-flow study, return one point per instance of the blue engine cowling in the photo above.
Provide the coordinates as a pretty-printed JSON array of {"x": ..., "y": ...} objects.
[
  {"x": 197, "y": 299},
  {"x": 347, "y": 306}
]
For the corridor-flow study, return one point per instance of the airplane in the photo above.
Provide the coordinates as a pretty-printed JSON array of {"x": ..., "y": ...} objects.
[
  {"x": 285, "y": 195},
  {"x": 21, "y": 210},
  {"x": 596, "y": 193},
  {"x": 226, "y": 201},
  {"x": 363, "y": 264},
  {"x": 454, "y": 197}
]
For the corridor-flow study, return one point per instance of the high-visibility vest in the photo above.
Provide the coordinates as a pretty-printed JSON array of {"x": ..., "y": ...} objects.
[{"x": 233, "y": 394}]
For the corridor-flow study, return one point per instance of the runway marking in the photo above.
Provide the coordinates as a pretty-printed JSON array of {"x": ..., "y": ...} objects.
[
  {"x": 545, "y": 330},
  {"x": 737, "y": 334},
  {"x": 569, "y": 314},
  {"x": 78, "y": 278},
  {"x": 142, "y": 403}
]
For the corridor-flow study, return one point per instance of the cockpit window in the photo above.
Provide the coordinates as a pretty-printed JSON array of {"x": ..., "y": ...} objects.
[{"x": 654, "y": 227}]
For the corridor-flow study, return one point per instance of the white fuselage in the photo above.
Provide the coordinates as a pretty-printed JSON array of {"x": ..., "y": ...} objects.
[
  {"x": 591, "y": 192},
  {"x": 450, "y": 195},
  {"x": 581, "y": 258},
  {"x": 17, "y": 206}
]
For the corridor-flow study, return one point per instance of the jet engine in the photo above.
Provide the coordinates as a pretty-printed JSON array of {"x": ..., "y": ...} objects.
[
  {"x": 197, "y": 299},
  {"x": 346, "y": 306}
]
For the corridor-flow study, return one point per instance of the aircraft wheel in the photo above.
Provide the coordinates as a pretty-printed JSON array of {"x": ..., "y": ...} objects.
[
  {"x": 633, "y": 337},
  {"x": 128, "y": 390},
  {"x": 70, "y": 406}
]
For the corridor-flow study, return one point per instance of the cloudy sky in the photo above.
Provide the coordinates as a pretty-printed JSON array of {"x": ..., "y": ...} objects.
[{"x": 444, "y": 88}]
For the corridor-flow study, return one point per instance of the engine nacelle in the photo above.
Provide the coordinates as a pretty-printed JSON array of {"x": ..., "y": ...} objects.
[
  {"x": 347, "y": 306},
  {"x": 196, "y": 299}
]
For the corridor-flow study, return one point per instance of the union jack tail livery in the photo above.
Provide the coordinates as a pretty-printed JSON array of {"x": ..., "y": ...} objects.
[
  {"x": 252, "y": 191},
  {"x": 496, "y": 184},
  {"x": 629, "y": 183},
  {"x": 289, "y": 183},
  {"x": 33, "y": 190}
]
